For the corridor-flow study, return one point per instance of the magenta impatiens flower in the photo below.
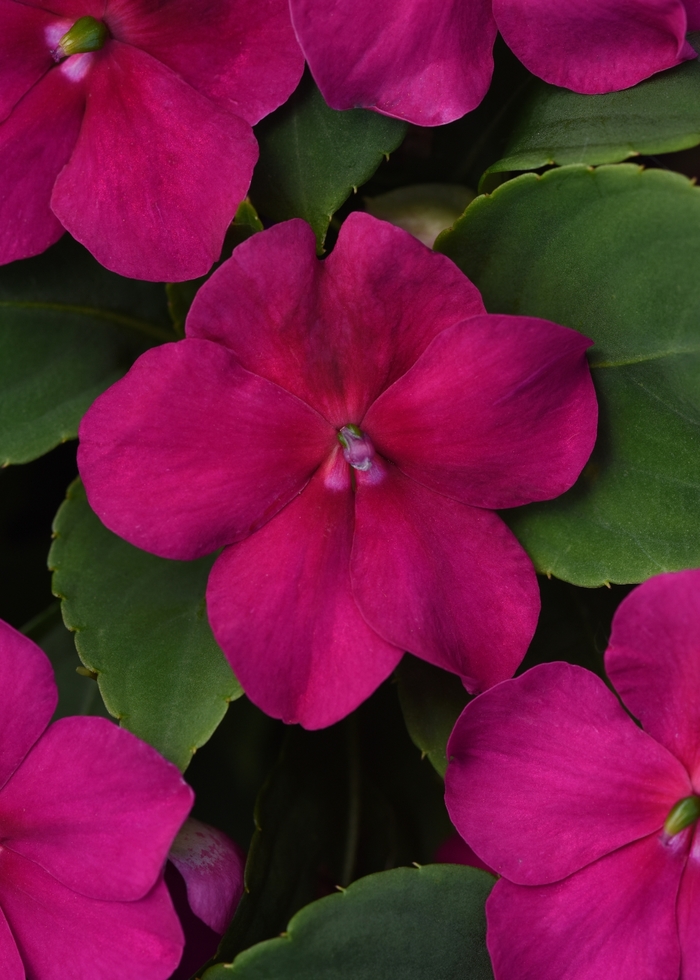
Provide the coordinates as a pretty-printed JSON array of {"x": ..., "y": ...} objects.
[
  {"x": 87, "y": 815},
  {"x": 591, "y": 820},
  {"x": 128, "y": 123},
  {"x": 431, "y": 62},
  {"x": 344, "y": 429}
]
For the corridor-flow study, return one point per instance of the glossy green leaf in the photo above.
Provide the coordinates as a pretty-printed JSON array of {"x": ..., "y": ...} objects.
[
  {"x": 141, "y": 626},
  {"x": 660, "y": 115},
  {"x": 425, "y": 923},
  {"x": 313, "y": 157},
  {"x": 68, "y": 329},
  {"x": 431, "y": 700},
  {"x": 615, "y": 253}
]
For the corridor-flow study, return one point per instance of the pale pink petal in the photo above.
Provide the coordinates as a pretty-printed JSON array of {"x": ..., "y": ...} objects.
[
  {"x": 281, "y": 608},
  {"x": 189, "y": 452},
  {"x": 334, "y": 333},
  {"x": 36, "y": 141},
  {"x": 242, "y": 53},
  {"x": 692, "y": 10},
  {"x": 548, "y": 774},
  {"x": 157, "y": 173},
  {"x": 443, "y": 580},
  {"x": 689, "y": 911},
  {"x": 499, "y": 411},
  {"x": 10, "y": 963},
  {"x": 615, "y": 920},
  {"x": 418, "y": 60},
  {"x": 212, "y": 866},
  {"x": 596, "y": 46},
  {"x": 96, "y": 807},
  {"x": 653, "y": 662},
  {"x": 25, "y": 52},
  {"x": 454, "y": 850},
  {"x": 61, "y": 934},
  {"x": 28, "y": 698}
]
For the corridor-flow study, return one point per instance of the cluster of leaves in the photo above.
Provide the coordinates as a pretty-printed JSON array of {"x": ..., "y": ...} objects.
[{"x": 582, "y": 238}]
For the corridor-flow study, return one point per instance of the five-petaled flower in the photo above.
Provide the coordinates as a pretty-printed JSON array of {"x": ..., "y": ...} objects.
[
  {"x": 591, "y": 820},
  {"x": 344, "y": 429},
  {"x": 128, "y": 123},
  {"x": 87, "y": 815},
  {"x": 431, "y": 62}
]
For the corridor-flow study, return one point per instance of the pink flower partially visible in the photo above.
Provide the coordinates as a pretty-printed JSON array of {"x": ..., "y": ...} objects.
[
  {"x": 430, "y": 63},
  {"x": 87, "y": 815},
  {"x": 591, "y": 820},
  {"x": 128, "y": 124},
  {"x": 344, "y": 429}
]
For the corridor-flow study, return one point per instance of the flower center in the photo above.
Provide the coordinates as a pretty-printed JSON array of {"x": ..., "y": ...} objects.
[
  {"x": 685, "y": 812},
  {"x": 357, "y": 447},
  {"x": 87, "y": 34}
]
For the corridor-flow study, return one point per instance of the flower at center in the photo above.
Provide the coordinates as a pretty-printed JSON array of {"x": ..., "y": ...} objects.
[
  {"x": 87, "y": 34},
  {"x": 682, "y": 815},
  {"x": 357, "y": 447}
]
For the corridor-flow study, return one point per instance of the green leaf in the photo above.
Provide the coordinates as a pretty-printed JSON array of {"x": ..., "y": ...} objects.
[
  {"x": 660, "y": 115},
  {"x": 141, "y": 626},
  {"x": 612, "y": 252},
  {"x": 78, "y": 694},
  {"x": 68, "y": 329},
  {"x": 432, "y": 701},
  {"x": 313, "y": 157},
  {"x": 409, "y": 923}
]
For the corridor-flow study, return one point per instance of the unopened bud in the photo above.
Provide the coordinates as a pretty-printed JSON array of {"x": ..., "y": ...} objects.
[
  {"x": 87, "y": 34},
  {"x": 683, "y": 814}
]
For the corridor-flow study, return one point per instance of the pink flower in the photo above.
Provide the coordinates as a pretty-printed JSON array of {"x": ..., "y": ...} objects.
[
  {"x": 87, "y": 815},
  {"x": 344, "y": 430},
  {"x": 431, "y": 62},
  {"x": 590, "y": 819},
  {"x": 128, "y": 124}
]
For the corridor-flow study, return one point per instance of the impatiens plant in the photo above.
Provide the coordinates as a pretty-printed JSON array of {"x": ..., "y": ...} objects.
[
  {"x": 430, "y": 63},
  {"x": 129, "y": 124},
  {"x": 590, "y": 819},
  {"x": 345, "y": 429},
  {"x": 88, "y": 813}
]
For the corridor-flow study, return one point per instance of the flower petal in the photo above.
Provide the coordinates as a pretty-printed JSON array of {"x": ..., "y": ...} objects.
[
  {"x": 688, "y": 906},
  {"x": 616, "y": 918},
  {"x": 596, "y": 46},
  {"x": 28, "y": 697},
  {"x": 10, "y": 963},
  {"x": 446, "y": 581},
  {"x": 25, "y": 51},
  {"x": 548, "y": 774},
  {"x": 412, "y": 59},
  {"x": 57, "y": 929},
  {"x": 157, "y": 173},
  {"x": 281, "y": 608},
  {"x": 692, "y": 10},
  {"x": 189, "y": 452},
  {"x": 36, "y": 141},
  {"x": 241, "y": 53},
  {"x": 96, "y": 807},
  {"x": 454, "y": 850},
  {"x": 355, "y": 322},
  {"x": 499, "y": 411},
  {"x": 212, "y": 866},
  {"x": 653, "y": 662}
]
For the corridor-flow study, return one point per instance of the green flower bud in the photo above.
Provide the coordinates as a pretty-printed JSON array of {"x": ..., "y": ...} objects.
[
  {"x": 87, "y": 34},
  {"x": 684, "y": 813}
]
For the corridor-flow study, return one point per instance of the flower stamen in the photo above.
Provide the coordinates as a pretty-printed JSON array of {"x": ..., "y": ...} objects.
[{"x": 357, "y": 447}]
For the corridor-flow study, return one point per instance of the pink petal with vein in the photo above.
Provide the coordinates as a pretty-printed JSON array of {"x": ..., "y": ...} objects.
[
  {"x": 25, "y": 54},
  {"x": 282, "y": 610},
  {"x": 548, "y": 774},
  {"x": 413, "y": 59},
  {"x": 55, "y": 928},
  {"x": 10, "y": 963},
  {"x": 692, "y": 10},
  {"x": 26, "y": 679},
  {"x": 190, "y": 452},
  {"x": 212, "y": 866},
  {"x": 615, "y": 919},
  {"x": 443, "y": 580},
  {"x": 96, "y": 807},
  {"x": 157, "y": 173},
  {"x": 688, "y": 909},
  {"x": 334, "y": 333},
  {"x": 596, "y": 46},
  {"x": 498, "y": 411}
]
